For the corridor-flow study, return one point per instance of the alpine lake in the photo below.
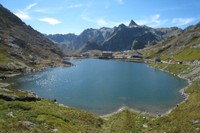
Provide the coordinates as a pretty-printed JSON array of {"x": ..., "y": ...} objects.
[{"x": 104, "y": 86}]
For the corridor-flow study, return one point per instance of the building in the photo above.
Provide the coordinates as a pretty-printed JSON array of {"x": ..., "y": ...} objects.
[
  {"x": 157, "y": 59},
  {"x": 179, "y": 62},
  {"x": 106, "y": 55},
  {"x": 137, "y": 55}
]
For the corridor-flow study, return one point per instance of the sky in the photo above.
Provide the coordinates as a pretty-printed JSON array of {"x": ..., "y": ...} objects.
[{"x": 74, "y": 16}]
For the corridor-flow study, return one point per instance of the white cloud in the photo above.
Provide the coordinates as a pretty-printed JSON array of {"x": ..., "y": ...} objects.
[
  {"x": 141, "y": 22},
  {"x": 182, "y": 21},
  {"x": 153, "y": 21},
  {"x": 49, "y": 10},
  {"x": 102, "y": 22},
  {"x": 156, "y": 21},
  {"x": 76, "y": 6},
  {"x": 42, "y": 10},
  {"x": 120, "y": 2},
  {"x": 22, "y": 15},
  {"x": 30, "y": 6},
  {"x": 51, "y": 21},
  {"x": 98, "y": 21},
  {"x": 46, "y": 11}
]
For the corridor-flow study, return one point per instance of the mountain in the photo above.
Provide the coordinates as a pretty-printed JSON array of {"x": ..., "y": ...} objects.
[
  {"x": 132, "y": 24},
  {"x": 22, "y": 47},
  {"x": 72, "y": 42},
  {"x": 65, "y": 42},
  {"x": 118, "y": 38},
  {"x": 185, "y": 46},
  {"x": 136, "y": 37}
]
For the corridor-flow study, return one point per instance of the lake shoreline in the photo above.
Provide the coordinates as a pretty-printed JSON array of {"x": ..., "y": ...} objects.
[
  {"x": 158, "y": 114},
  {"x": 182, "y": 91}
]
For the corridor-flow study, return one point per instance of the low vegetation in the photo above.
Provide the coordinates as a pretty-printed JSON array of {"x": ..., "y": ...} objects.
[
  {"x": 3, "y": 59},
  {"x": 44, "y": 116},
  {"x": 3, "y": 56},
  {"x": 189, "y": 54}
]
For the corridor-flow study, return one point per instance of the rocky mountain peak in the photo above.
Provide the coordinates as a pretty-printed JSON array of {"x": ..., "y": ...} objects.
[
  {"x": 122, "y": 26},
  {"x": 133, "y": 24}
]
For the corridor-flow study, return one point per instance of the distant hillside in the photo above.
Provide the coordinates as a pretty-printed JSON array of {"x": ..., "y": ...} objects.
[
  {"x": 21, "y": 46},
  {"x": 185, "y": 46},
  {"x": 118, "y": 38},
  {"x": 72, "y": 42}
]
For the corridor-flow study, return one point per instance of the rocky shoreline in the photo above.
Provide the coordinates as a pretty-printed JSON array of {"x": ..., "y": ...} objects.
[{"x": 30, "y": 96}]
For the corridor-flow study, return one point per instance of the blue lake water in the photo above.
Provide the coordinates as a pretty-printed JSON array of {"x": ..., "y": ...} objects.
[{"x": 104, "y": 86}]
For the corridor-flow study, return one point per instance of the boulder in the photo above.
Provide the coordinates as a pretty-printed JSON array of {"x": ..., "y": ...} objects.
[
  {"x": 10, "y": 114},
  {"x": 28, "y": 124},
  {"x": 28, "y": 97}
]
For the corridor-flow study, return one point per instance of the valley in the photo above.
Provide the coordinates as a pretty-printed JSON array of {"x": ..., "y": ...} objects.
[{"x": 25, "y": 51}]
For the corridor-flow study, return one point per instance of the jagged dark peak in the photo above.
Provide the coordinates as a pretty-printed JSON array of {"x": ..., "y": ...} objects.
[
  {"x": 122, "y": 26},
  {"x": 89, "y": 31},
  {"x": 106, "y": 32},
  {"x": 103, "y": 28},
  {"x": 133, "y": 24}
]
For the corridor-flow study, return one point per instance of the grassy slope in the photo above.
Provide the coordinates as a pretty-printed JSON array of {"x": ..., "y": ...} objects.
[
  {"x": 45, "y": 116},
  {"x": 3, "y": 55},
  {"x": 175, "y": 49},
  {"x": 189, "y": 54}
]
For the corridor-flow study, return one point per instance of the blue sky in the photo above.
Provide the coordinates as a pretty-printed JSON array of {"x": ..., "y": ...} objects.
[{"x": 73, "y": 16}]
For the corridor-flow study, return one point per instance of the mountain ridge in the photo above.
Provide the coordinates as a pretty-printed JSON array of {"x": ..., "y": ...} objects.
[{"x": 118, "y": 38}]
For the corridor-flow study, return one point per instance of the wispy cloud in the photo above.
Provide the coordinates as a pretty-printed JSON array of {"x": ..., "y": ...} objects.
[
  {"x": 48, "y": 10},
  {"x": 43, "y": 10},
  {"x": 97, "y": 21},
  {"x": 76, "y": 6},
  {"x": 30, "y": 6},
  {"x": 51, "y": 21},
  {"x": 101, "y": 21},
  {"x": 120, "y": 2},
  {"x": 156, "y": 21},
  {"x": 182, "y": 21},
  {"x": 23, "y": 14},
  {"x": 79, "y": 5},
  {"x": 153, "y": 21}
]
